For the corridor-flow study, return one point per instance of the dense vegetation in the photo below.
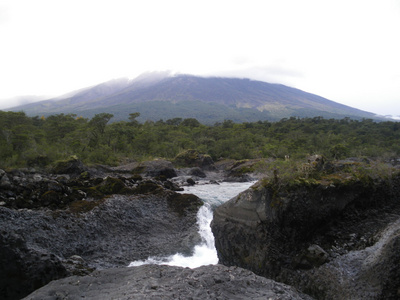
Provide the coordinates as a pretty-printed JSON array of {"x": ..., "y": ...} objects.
[{"x": 35, "y": 141}]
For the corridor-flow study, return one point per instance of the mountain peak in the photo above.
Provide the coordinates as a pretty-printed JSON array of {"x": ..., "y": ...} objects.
[
  {"x": 163, "y": 95},
  {"x": 152, "y": 76}
]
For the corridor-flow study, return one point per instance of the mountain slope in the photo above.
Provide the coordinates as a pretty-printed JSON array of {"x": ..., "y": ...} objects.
[{"x": 209, "y": 99}]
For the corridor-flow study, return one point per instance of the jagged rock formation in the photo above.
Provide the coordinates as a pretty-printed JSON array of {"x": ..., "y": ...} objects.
[
  {"x": 54, "y": 226},
  {"x": 333, "y": 238},
  {"x": 166, "y": 282}
]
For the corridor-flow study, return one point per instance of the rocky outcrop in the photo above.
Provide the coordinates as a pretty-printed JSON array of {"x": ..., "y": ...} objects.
[
  {"x": 333, "y": 238},
  {"x": 193, "y": 158},
  {"x": 54, "y": 226},
  {"x": 193, "y": 166},
  {"x": 369, "y": 273},
  {"x": 27, "y": 188},
  {"x": 239, "y": 170},
  {"x": 153, "y": 168},
  {"x": 71, "y": 165},
  {"x": 166, "y": 282}
]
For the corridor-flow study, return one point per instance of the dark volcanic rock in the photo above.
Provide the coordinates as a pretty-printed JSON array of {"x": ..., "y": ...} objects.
[
  {"x": 166, "y": 282},
  {"x": 23, "y": 269},
  {"x": 104, "y": 233},
  {"x": 70, "y": 166},
  {"x": 38, "y": 191},
  {"x": 111, "y": 232},
  {"x": 31, "y": 190},
  {"x": 153, "y": 168},
  {"x": 370, "y": 273},
  {"x": 332, "y": 241},
  {"x": 239, "y": 170},
  {"x": 190, "y": 181},
  {"x": 157, "y": 168},
  {"x": 193, "y": 158},
  {"x": 197, "y": 172}
]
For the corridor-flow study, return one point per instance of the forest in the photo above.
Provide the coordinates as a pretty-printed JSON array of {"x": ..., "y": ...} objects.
[{"x": 40, "y": 141}]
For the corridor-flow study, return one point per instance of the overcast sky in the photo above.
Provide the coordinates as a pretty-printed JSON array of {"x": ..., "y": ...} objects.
[{"x": 346, "y": 51}]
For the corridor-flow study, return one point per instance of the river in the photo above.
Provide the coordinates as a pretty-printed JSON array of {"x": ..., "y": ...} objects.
[{"x": 205, "y": 253}]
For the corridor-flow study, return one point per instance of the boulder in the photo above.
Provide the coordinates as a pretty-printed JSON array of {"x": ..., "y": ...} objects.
[
  {"x": 71, "y": 165},
  {"x": 193, "y": 158},
  {"x": 159, "y": 167},
  {"x": 239, "y": 170},
  {"x": 167, "y": 282},
  {"x": 172, "y": 186},
  {"x": 5, "y": 181},
  {"x": 190, "y": 181},
  {"x": 197, "y": 172}
]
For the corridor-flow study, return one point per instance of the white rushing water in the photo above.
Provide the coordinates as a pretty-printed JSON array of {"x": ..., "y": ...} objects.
[{"x": 204, "y": 253}]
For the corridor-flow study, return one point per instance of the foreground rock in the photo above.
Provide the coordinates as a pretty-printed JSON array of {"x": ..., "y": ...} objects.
[
  {"x": 335, "y": 237},
  {"x": 23, "y": 269},
  {"x": 55, "y": 226},
  {"x": 166, "y": 282}
]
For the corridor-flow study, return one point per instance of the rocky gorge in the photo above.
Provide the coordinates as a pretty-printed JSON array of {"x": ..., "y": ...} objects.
[
  {"x": 73, "y": 219},
  {"x": 329, "y": 237}
]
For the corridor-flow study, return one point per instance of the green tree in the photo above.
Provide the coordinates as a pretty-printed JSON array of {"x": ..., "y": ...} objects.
[
  {"x": 133, "y": 117},
  {"x": 97, "y": 127},
  {"x": 174, "y": 121},
  {"x": 56, "y": 127},
  {"x": 190, "y": 122}
]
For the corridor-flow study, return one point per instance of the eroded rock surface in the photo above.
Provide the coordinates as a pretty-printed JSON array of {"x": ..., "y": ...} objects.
[
  {"x": 23, "y": 269},
  {"x": 54, "y": 226},
  {"x": 166, "y": 282},
  {"x": 332, "y": 241}
]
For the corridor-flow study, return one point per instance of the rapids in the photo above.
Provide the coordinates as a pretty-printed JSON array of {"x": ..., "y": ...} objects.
[{"x": 205, "y": 253}]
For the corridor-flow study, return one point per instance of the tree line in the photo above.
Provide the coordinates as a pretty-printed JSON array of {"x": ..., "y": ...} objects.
[{"x": 38, "y": 141}]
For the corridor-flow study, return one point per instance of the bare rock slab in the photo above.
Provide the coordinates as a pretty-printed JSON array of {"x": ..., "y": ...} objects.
[{"x": 167, "y": 282}]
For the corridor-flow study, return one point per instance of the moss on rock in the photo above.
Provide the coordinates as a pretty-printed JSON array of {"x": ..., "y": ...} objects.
[
  {"x": 72, "y": 165},
  {"x": 147, "y": 187},
  {"x": 83, "y": 206},
  {"x": 193, "y": 158},
  {"x": 51, "y": 198},
  {"x": 111, "y": 186},
  {"x": 184, "y": 202},
  {"x": 138, "y": 170}
]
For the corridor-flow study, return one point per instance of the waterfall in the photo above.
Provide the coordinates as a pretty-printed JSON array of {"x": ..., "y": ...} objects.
[{"x": 204, "y": 253}]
